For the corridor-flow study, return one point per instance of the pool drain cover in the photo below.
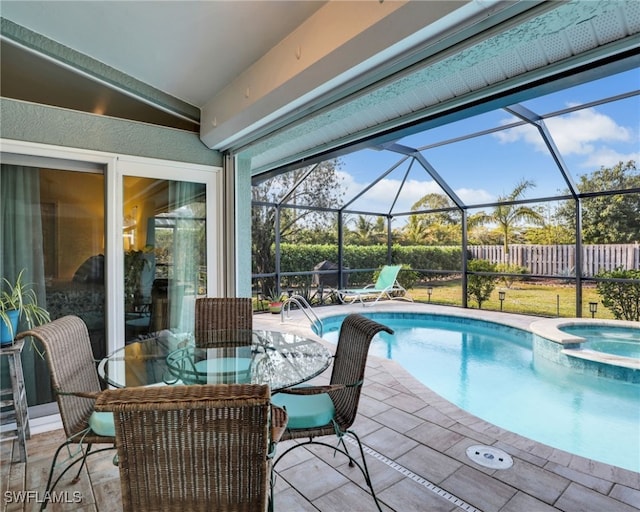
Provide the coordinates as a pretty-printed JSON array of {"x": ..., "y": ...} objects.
[{"x": 489, "y": 457}]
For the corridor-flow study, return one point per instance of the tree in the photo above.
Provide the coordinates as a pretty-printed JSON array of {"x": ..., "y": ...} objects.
[
  {"x": 507, "y": 216},
  {"x": 482, "y": 235},
  {"x": 555, "y": 231},
  {"x": 320, "y": 188},
  {"x": 550, "y": 234},
  {"x": 414, "y": 231},
  {"x": 607, "y": 218}
]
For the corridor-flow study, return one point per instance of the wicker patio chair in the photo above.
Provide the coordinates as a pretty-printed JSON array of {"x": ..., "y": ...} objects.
[
  {"x": 195, "y": 448},
  {"x": 76, "y": 384},
  {"x": 225, "y": 323},
  {"x": 316, "y": 411},
  {"x": 231, "y": 314}
]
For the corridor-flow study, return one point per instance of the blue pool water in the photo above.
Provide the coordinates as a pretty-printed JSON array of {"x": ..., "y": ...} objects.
[
  {"x": 610, "y": 339},
  {"x": 490, "y": 371}
]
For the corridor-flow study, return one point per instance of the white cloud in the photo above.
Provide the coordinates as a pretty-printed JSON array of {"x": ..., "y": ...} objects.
[
  {"x": 525, "y": 132},
  {"x": 349, "y": 185},
  {"x": 379, "y": 198},
  {"x": 577, "y": 133},
  {"x": 475, "y": 196},
  {"x": 608, "y": 157}
]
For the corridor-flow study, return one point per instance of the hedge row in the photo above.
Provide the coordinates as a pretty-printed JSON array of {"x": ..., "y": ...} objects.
[{"x": 303, "y": 258}]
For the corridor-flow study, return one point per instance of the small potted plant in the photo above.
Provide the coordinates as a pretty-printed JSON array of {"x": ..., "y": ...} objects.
[
  {"x": 18, "y": 301},
  {"x": 275, "y": 301}
]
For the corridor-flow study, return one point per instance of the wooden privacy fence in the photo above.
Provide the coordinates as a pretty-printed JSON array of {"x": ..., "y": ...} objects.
[{"x": 560, "y": 260}]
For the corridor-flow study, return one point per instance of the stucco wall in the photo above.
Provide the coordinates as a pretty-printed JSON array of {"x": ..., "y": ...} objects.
[{"x": 61, "y": 127}]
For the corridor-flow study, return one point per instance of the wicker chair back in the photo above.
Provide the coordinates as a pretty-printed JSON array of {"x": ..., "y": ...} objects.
[
  {"x": 195, "y": 448},
  {"x": 231, "y": 314}
]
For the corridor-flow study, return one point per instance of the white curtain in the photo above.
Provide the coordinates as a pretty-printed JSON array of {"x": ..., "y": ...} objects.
[
  {"x": 22, "y": 248},
  {"x": 183, "y": 286}
]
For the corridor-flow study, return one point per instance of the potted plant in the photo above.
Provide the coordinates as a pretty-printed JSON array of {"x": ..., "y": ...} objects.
[
  {"x": 275, "y": 301},
  {"x": 137, "y": 263},
  {"x": 19, "y": 301}
]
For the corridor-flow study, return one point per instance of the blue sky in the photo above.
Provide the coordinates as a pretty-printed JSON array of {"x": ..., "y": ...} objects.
[{"x": 481, "y": 169}]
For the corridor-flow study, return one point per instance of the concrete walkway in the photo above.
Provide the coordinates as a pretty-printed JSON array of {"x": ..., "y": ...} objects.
[{"x": 416, "y": 445}]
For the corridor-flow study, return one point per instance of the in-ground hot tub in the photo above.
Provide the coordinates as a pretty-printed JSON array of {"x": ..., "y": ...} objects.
[
  {"x": 608, "y": 348},
  {"x": 618, "y": 341}
]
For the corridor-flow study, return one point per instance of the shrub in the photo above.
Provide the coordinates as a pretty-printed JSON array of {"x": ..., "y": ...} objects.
[
  {"x": 509, "y": 268},
  {"x": 480, "y": 287},
  {"x": 622, "y": 299},
  {"x": 303, "y": 257},
  {"x": 428, "y": 257}
]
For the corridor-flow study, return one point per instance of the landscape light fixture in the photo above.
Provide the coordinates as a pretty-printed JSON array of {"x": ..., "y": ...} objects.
[
  {"x": 593, "y": 308},
  {"x": 501, "y": 298},
  {"x": 429, "y": 292}
]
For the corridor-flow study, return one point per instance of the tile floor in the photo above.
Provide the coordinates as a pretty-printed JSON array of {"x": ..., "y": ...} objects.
[{"x": 415, "y": 446}]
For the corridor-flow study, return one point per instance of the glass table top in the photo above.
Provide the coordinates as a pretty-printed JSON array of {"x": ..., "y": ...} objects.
[{"x": 233, "y": 356}]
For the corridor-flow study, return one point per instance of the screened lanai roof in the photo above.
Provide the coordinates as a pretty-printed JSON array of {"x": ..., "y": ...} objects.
[
  {"x": 538, "y": 59},
  {"x": 549, "y": 141}
]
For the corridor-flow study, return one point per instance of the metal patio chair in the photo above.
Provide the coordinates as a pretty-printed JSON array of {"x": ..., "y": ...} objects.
[
  {"x": 317, "y": 411},
  {"x": 195, "y": 448}
]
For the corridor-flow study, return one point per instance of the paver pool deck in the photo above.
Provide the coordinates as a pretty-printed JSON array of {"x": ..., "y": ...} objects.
[{"x": 415, "y": 441}]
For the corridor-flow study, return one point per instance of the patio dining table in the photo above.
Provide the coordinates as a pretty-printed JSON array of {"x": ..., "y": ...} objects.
[{"x": 231, "y": 356}]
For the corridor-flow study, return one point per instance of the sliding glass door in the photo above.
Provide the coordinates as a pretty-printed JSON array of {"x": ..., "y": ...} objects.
[
  {"x": 165, "y": 254},
  {"x": 126, "y": 244},
  {"x": 53, "y": 231}
]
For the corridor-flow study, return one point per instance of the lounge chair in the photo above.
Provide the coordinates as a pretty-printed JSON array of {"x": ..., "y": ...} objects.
[{"x": 387, "y": 286}]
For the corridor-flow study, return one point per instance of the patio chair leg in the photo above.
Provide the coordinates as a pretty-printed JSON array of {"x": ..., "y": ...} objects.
[
  {"x": 50, "y": 487},
  {"x": 346, "y": 450},
  {"x": 272, "y": 485},
  {"x": 363, "y": 468},
  {"x": 51, "y": 469},
  {"x": 76, "y": 478}
]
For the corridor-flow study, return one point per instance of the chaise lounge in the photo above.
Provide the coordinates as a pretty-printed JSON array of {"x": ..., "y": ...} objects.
[{"x": 386, "y": 286}]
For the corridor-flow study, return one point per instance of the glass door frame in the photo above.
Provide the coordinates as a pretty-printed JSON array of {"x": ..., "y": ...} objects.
[{"x": 211, "y": 177}]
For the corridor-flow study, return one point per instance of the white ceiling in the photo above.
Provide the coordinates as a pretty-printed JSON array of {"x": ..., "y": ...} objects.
[
  {"x": 188, "y": 49},
  {"x": 238, "y": 65}
]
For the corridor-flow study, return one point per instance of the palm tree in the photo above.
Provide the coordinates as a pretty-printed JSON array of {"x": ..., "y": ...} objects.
[
  {"x": 415, "y": 231},
  {"x": 367, "y": 231},
  {"x": 427, "y": 227},
  {"x": 508, "y": 215}
]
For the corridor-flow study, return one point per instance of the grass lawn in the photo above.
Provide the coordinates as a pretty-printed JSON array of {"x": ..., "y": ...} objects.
[{"x": 532, "y": 298}]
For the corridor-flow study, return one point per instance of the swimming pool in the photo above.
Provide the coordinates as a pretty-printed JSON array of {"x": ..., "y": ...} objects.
[{"x": 489, "y": 370}]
